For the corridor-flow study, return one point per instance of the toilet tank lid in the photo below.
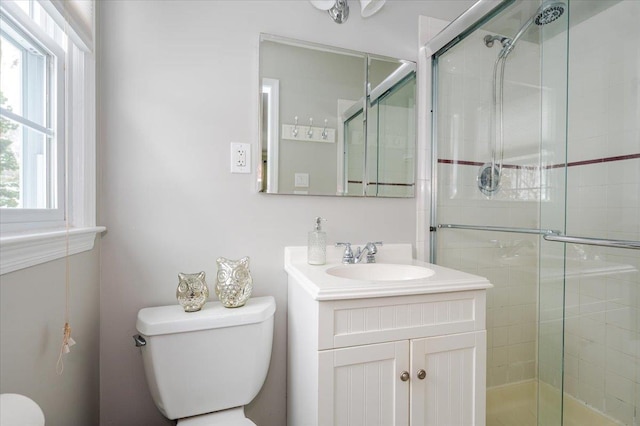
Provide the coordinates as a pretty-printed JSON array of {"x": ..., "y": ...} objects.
[{"x": 173, "y": 318}]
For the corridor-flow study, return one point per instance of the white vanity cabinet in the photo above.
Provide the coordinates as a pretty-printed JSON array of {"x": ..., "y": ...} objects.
[
  {"x": 363, "y": 385},
  {"x": 407, "y": 359},
  {"x": 347, "y": 359},
  {"x": 453, "y": 390},
  {"x": 360, "y": 385}
]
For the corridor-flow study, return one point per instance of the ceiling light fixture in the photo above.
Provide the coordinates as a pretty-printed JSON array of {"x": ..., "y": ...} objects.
[{"x": 339, "y": 9}]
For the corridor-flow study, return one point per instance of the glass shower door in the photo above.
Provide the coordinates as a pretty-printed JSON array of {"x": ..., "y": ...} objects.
[
  {"x": 512, "y": 119},
  {"x": 559, "y": 235},
  {"x": 601, "y": 298}
]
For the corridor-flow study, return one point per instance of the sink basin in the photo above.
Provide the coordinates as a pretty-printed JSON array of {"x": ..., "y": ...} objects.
[{"x": 380, "y": 272}]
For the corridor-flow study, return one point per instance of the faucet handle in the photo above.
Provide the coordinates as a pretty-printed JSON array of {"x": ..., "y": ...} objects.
[
  {"x": 347, "y": 257},
  {"x": 372, "y": 249},
  {"x": 373, "y": 246}
]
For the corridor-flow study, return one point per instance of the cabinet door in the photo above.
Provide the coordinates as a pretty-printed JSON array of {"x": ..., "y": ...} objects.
[
  {"x": 453, "y": 390},
  {"x": 361, "y": 385}
]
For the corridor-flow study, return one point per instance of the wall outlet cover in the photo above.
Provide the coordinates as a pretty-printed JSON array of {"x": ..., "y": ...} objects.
[{"x": 240, "y": 157}]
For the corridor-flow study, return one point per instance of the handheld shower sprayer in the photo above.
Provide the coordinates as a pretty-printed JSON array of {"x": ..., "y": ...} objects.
[{"x": 490, "y": 173}]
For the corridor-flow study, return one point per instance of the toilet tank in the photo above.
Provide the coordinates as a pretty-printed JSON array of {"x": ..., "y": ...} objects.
[{"x": 205, "y": 361}]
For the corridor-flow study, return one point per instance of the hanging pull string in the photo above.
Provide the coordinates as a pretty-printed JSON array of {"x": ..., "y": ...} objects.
[{"x": 67, "y": 340}]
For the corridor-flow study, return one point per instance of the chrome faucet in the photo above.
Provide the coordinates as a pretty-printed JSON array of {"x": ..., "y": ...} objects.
[
  {"x": 347, "y": 256},
  {"x": 370, "y": 250}
]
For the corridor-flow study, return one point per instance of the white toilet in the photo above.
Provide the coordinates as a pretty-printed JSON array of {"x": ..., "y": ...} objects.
[
  {"x": 16, "y": 409},
  {"x": 203, "y": 367}
]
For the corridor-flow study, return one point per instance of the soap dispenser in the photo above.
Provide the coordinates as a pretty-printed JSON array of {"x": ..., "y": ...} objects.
[{"x": 317, "y": 244}]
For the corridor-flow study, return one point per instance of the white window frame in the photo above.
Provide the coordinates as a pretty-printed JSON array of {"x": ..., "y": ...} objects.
[
  {"x": 25, "y": 244},
  {"x": 28, "y": 218}
]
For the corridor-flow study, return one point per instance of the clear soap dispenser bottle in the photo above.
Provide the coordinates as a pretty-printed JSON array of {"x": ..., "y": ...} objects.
[{"x": 317, "y": 244}]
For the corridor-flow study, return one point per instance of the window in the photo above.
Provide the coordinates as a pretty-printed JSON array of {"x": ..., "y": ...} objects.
[
  {"x": 32, "y": 123},
  {"x": 47, "y": 138}
]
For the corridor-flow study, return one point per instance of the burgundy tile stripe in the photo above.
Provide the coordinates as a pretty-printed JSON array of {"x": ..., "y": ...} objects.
[
  {"x": 382, "y": 183},
  {"x": 477, "y": 163},
  {"x": 463, "y": 162},
  {"x": 598, "y": 160},
  {"x": 551, "y": 166}
]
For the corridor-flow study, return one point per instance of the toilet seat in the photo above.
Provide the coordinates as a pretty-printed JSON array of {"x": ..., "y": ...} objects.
[
  {"x": 16, "y": 409},
  {"x": 230, "y": 417}
]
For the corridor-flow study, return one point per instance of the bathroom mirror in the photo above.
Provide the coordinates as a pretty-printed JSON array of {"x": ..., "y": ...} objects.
[{"x": 335, "y": 121}]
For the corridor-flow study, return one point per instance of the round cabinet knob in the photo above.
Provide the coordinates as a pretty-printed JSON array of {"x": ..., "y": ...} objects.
[
  {"x": 422, "y": 374},
  {"x": 404, "y": 376}
]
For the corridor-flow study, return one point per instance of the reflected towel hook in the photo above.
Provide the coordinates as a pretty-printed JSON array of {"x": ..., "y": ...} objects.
[
  {"x": 294, "y": 132},
  {"x": 310, "y": 131},
  {"x": 324, "y": 133}
]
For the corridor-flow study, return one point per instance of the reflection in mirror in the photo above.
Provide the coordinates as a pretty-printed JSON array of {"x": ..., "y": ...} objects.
[
  {"x": 270, "y": 134},
  {"x": 314, "y": 106},
  {"x": 391, "y": 128}
]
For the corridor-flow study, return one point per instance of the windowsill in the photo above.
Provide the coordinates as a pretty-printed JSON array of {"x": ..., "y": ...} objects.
[{"x": 19, "y": 251}]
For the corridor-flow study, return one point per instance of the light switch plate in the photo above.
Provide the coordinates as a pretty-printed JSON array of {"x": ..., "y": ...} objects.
[{"x": 301, "y": 180}]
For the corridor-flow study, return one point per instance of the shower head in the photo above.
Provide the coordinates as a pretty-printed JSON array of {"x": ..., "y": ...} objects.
[{"x": 548, "y": 13}]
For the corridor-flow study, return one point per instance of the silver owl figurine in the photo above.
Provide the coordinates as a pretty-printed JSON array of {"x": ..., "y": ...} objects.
[
  {"x": 192, "y": 292},
  {"x": 234, "y": 282}
]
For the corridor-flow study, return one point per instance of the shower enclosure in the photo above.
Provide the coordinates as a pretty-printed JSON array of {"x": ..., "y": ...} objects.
[{"x": 536, "y": 185}]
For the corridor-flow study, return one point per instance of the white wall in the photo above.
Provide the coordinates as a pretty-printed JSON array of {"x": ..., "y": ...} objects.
[
  {"x": 177, "y": 84},
  {"x": 32, "y": 307}
]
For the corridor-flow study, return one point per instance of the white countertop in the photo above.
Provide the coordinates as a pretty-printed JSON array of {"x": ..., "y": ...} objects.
[{"x": 321, "y": 286}]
